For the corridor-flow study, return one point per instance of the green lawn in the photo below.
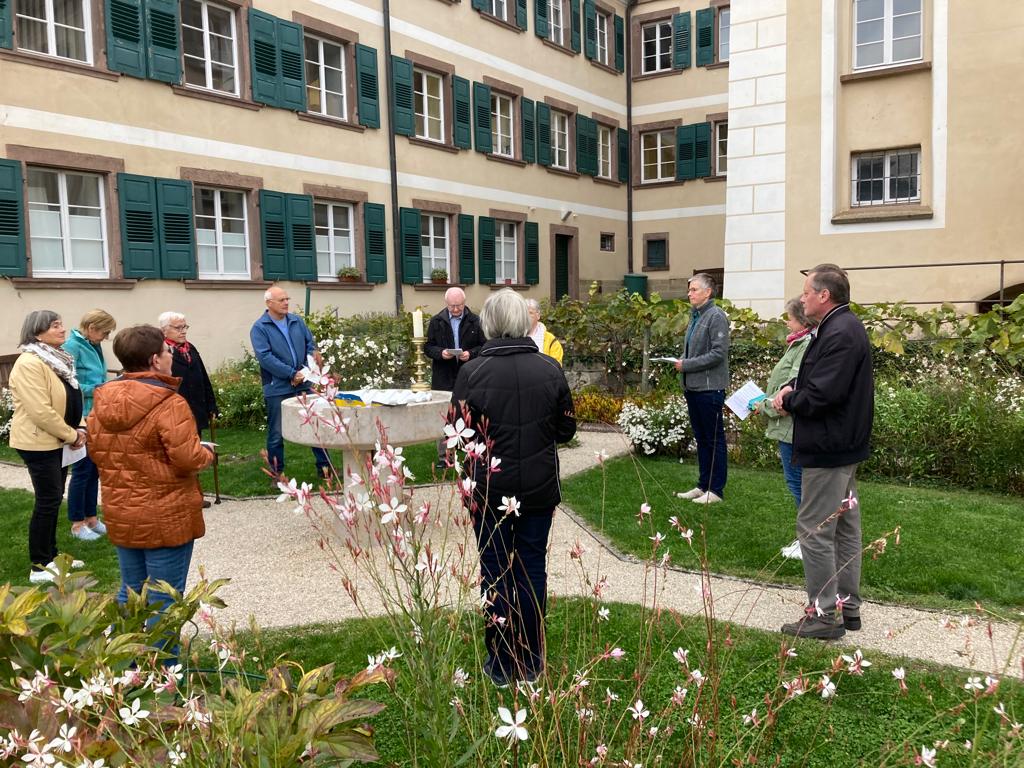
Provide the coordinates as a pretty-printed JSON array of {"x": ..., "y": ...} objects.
[
  {"x": 956, "y": 547},
  {"x": 866, "y": 724}
]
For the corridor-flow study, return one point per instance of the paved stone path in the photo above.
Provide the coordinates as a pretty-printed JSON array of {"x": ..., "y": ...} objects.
[{"x": 281, "y": 576}]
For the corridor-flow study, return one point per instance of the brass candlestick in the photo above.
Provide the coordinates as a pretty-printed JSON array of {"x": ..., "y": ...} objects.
[{"x": 418, "y": 384}]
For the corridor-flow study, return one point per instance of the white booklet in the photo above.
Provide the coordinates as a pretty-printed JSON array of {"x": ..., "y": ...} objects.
[
  {"x": 71, "y": 455},
  {"x": 737, "y": 401}
]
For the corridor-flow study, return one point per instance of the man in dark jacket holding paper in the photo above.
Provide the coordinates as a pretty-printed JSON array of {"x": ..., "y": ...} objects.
[
  {"x": 704, "y": 375},
  {"x": 832, "y": 403}
]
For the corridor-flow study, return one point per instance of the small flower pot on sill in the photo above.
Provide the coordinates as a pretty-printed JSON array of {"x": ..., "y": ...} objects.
[
  {"x": 350, "y": 275},
  {"x": 508, "y": 281},
  {"x": 439, "y": 277}
]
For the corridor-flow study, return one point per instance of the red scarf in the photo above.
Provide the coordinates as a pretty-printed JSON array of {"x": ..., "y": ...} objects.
[
  {"x": 184, "y": 348},
  {"x": 798, "y": 335}
]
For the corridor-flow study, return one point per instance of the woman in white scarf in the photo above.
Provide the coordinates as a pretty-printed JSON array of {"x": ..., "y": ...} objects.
[{"x": 47, "y": 417}]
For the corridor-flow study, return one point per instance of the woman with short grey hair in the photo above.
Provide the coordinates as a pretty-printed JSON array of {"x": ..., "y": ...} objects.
[
  {"x": 542, "y": 337},
  {"x": 524, "y": 400}
]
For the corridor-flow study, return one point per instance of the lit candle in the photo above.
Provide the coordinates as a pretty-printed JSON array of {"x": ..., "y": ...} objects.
[{"x": 417, "y": 323}]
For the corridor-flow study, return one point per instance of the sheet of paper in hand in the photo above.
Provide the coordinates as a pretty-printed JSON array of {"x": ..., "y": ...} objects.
[
  {"x": 737, "y": 401},
  {"x": 664, "y": 359}
]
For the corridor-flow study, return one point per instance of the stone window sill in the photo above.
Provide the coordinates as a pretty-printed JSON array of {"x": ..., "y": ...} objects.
[
  {"x": 717, "y": 65},
  {"x": 340, "y": 285},
  {"x": 605, "y": 67},
  {"x": 214, "y": 285},
  {"x": 606, "y": 181},
  {"x": 874, "y": 74},
  {"x": 655, "y": 75},
  {"x": 655, "y": 269},
  {"x": 433, "y": 144},
  {"x": 334, "y": 122},
  {"x": 882, "y": 213},
  {"x": 506, "y": 159},
  {"x": 217, "y": 98},
  {"x": 103, "y": 284},
  {"x": 513, "y": 286},
  {"x": 436, "y": 286},
  {"x": 657, "y": 184},
  {"x": 711, "y": 179},
  {"x": 560, "y": 48},
  {"x": 562, "y": 172},
  {"x": 500, "y": 22}
]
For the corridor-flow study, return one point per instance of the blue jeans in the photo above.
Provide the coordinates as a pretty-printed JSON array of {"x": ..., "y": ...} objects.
[
  {"x": 513, "y": 553},
  {"x": 705, "y": 409},
  {"x": 83, "y": 490},
  {"x": 168, "y": 564},
  {"x": 275, "y": 442},
  {"x": 792, "y": 472}
]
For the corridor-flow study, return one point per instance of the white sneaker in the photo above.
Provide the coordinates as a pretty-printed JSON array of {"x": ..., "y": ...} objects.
[
  {"x": 792, "y": 551},
  {"x": 707, "y": 498},
  {"x": 693, "y": 493},
  {"x": 85, "y": 533},
  {"x": 41, "y": 577},
  {"x": 52, "y": 566}
]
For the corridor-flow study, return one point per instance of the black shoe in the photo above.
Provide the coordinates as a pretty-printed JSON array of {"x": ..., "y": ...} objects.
[
  {"x": 441, "y": 465},
  {"x": 533, "y": 675},
  {"x": 851, "y": 623},
  {"x": 206, "y": 503},
  {"x": 499, "y": 679},
  {"x": 817, "y": 627}
]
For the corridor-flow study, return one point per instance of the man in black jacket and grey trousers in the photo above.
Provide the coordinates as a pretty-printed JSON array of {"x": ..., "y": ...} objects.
[
  {"x": 453, "y": 328},
  {"x": 832, "y": 403}
]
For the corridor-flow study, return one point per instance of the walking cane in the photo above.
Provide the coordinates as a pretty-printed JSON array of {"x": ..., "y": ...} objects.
[{"x": 216, "y": 460}]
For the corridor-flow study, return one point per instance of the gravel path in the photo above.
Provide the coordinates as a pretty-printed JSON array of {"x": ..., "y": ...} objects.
[{"x": 281, "y": 576}]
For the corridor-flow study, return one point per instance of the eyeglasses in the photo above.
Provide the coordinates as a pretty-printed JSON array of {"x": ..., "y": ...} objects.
[
  {"x": 283, "y": 298},
  {"x": 179, "y": 327},
  {"x": 456, "y": 306}
]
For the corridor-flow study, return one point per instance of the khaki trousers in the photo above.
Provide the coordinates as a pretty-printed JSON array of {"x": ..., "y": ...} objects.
[{"x": 830, "y": 538}]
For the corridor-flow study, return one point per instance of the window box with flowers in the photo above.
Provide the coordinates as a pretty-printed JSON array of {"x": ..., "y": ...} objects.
[
  {"x": 439, "y": 276},
  {"x": 350, "y": 275}
]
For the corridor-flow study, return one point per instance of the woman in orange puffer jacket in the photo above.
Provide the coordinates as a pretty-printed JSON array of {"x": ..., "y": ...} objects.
[{"x": 143, "y": 438}]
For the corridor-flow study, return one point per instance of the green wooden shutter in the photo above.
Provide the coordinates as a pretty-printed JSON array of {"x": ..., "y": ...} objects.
[
  {"x": 163, "y": 46},
  {"x": 291, "y": 60},
  {"x": 403, "y": 115},
  {"x": 589, "y": 29},
  {"x": 462, "y": 135},
  {"x": 301, "y": 242},
  {"x": 681, "y": 40},
  {"x": 543, "y": 134},
  {"x": 366, "y": 88},
  {"x": 376, "y": 243},
  {"x": 529, "y": 131},
  {"x": 583, "y": 164},
  {"x": 274, "y": 235},
  {"x": 521, "y": 14},
  {"x": 705, "y": 37},
  {"x": 482, "y": 117},
  {"x": 467, "y": 263},
  {"x": 409, "y": 236},
  {"x": 540, "y": 18},
  {"x": 485, "y": 238},
  {"x": 12, "y": 220},
  {"x": 263, "y": 52},
  {"x": 574, "y": 24},
  {"x": 532, "y": 233},
  {"x": 140, "y": 247},
  {"x": 685, "y": 164},
  {"x": 481, "y": 5},
  {"x": 702, "y": 150},
  {"x": 6, "y": 24},
  {"x": 125, "y": 46},
  {"x": 623, "y": 142},
  {"x": 620, "y": 43},
  {"x": 175, "y": 229}
]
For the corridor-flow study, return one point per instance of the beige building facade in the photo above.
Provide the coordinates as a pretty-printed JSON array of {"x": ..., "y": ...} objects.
[{"x": 186, "y": 154}]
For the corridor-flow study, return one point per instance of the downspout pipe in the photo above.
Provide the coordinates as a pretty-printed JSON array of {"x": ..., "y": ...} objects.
[
  {"x": 629, "y": 132},
  {"x": 396, "y": 236}
]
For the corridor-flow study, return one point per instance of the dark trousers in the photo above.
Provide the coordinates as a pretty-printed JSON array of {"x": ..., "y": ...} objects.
[
  {"x": 83, "y": 490},
  {"x": 275, "y": 442},
  {"x": 48, "y": 478},
  {"x": 705, "y": 409},
  {"x": 513, "y": 552}
]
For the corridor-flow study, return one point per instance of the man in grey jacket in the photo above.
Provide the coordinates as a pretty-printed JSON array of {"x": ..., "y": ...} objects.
[{"x": 704, "y": 375}]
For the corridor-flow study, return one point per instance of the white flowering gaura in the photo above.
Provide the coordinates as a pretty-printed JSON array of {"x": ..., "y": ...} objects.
[{"x": 513, "y": 728}]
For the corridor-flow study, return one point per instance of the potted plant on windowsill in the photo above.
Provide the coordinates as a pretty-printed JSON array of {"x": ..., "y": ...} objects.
[
  {"x": 439, "y": 276},
  {"x": 350, "y": 275}
]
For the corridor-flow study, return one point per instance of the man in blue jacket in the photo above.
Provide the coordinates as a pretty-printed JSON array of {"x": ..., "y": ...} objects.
[{"x": 281, "y": 343}]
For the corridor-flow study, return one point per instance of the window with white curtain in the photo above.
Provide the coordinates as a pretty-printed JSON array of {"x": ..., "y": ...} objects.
[
  {"x": 61, "y": 28},
  {"x": 222, "y": 236},
  {"x": 67, "y": 220},
  {"x": 325, "y": 77},
  {"x": 334, "y": 244},
  {"x": 506, "y": 255}
]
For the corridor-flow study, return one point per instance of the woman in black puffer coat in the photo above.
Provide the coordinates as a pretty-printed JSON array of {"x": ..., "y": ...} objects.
[{"x": 518, "y": 402}]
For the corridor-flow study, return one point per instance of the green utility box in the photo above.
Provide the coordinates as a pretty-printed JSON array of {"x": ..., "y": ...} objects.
[{"x": 635, "y": 283}]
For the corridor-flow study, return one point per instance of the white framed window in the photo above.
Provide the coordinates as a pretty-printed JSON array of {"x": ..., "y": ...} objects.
[
  {"x": 325, "y": 77},
  {"x": 656, "y": 40},
  {"x": 658, "y": 156},
  {"x": 498, "y": 9},
  {"x": 502, "y": 138},
  {"x": 334, "y": 238},
  {"x": 222, "y": 233},
  {"x": 603, "y": 23},
  {"x": 60, "y": 28},
  {"x": 886, "y": 178},
  {"x": 556, "y": 22},
  {"x": 604, "y": 151},
  {"x": 559, "y": 139},
  {"x": 723, "y": 34},
  {"x": 429, "y": 105},
  {"x": 434, "y": 248},
  {"x": 67, "y": 218},
  {"x": 886, "y": 32},
  {"x": 721, "y": 148},
  {"x": 210, "y": 46},
  {"x": 506, "y": 254}
]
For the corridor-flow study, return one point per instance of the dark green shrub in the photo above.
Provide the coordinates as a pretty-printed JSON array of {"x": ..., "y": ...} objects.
[{"x": 239, "y": 393}]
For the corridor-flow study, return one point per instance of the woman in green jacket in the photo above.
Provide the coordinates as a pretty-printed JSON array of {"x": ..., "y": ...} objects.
[{"x": 780, "y": 427}]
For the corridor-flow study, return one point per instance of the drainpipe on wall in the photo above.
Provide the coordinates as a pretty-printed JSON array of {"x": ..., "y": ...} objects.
[
  {"x": 629, "y": 133},
  {"x": 392, "y": 160}
]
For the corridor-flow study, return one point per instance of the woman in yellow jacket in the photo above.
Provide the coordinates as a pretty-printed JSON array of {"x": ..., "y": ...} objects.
[
  {"x": 47, "y": 416},
  {"x": 542, "y": 337}
]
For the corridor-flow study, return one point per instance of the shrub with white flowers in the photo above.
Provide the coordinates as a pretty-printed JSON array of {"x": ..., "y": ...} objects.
[
  {"x": 656, "y": 427},
  {"x": 6, "y": 412},
  {"x": 359, "y": 363}
]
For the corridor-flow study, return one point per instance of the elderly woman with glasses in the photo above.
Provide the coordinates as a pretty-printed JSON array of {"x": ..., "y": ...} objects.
[{"x": 187, "y": 365}]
